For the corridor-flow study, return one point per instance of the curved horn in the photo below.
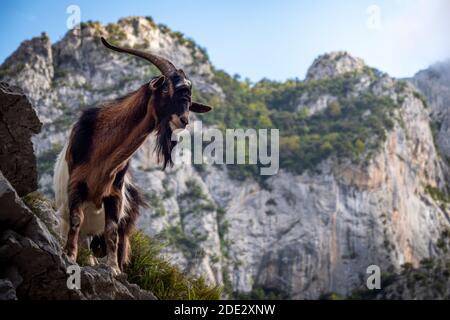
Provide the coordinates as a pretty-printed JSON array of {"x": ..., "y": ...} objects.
[{"x": 165, "y": 66}]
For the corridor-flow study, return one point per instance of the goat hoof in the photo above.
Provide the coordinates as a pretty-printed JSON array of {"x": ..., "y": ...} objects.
[
  {"x": 115, "y": 270},
  {"x": 92, "y": 261},
  {"x": 72, "y": 257}
]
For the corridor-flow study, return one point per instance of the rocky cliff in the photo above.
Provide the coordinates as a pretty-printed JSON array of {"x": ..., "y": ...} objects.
[
  {"x": 376, "y": 193},
  {"x": 18, "y": 122},
  {"x": 434, "y": 84}
]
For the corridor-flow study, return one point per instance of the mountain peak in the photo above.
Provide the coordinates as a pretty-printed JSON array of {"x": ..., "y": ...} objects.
[
  {"x": 333, "y": 64},
  {"x": 40, "y": 45}
]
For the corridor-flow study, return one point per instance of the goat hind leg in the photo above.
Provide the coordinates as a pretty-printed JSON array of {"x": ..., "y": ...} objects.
[
  {"x": 123, "y": 251},
  {"x": 112, "y": 206}
]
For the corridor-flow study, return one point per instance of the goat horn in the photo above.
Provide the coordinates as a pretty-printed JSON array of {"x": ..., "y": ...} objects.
[{"x": 165, "y": 66}]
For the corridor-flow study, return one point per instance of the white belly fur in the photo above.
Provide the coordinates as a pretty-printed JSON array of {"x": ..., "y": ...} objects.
[{"x": 94, "y": 219}]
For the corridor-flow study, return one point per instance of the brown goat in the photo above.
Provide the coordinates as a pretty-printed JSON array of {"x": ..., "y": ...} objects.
[{"x": 94, "y": 192}]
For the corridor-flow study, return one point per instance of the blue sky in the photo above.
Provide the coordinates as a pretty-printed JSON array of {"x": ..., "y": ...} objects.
[{"x": 261, "y": 38}]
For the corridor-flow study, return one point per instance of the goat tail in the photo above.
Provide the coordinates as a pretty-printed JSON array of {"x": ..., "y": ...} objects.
[{"x": 127, "y": 224}]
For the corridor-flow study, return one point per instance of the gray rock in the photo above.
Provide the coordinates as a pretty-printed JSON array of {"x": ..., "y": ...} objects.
[
  {"x": 7, "y": 291},
  {"x": 434, "y": 83},
  {"x": 334, "y": 64},
  {"x": 18, "y": 122},
  {"x": 99, "y": 283}
]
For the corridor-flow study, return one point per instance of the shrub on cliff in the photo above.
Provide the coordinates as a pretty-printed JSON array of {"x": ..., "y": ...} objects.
[{"x": 152, "y": 272}]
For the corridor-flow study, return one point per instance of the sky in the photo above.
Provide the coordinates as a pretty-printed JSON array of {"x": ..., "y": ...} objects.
[{"x": 264, "y": 39}]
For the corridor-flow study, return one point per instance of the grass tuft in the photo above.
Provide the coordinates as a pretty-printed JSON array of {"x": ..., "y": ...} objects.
[{"x": 152, "y": 272}]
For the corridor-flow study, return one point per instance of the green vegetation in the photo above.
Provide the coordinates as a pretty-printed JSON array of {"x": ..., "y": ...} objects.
[
  {"x": 421, "y": 97},
  {"x": 261, "y": 293},
  {"x": 347, "y": 134},
  {"x": 147, "y": 267},
  {"x": 83, "y": 256},
  {"x": 331, "y": 296},
  {"x": 178, "y": 36},
  {"x": 387, "y": 278},
  {"x": 34, "y": 200},
  {"x": 435, "y": 127},
  {"x": 151, "y": 272},
  {"x": 430, "y": 278},
  {"x": 63, "y": 122},
  {"x": 174, "y": 235},
  {"x": 11, "y": 70},
  {"x": 42, "y": 208},
  {"x": 156, "y": 204},
  {"x": 349, "y": 128},
  {"x": 96, "y": 25},
  {"x": 46, "y": 160},
  {"x": 437, "y": 194},
  {"x": 168, "y": 193},
  {"x": 115, "y": 32},
  {"x": 151, "y": 21},
  {"x": 163, "y": 28},
  {"x": 223, "y": 226},
  {"x": 196, "y": 201}
]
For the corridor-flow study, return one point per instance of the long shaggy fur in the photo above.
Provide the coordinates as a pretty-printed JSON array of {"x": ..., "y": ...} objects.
[{"x": 164, "y": 143}]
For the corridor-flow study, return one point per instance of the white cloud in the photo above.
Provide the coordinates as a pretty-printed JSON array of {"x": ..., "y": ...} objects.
[{"x": 415, "y": 36}]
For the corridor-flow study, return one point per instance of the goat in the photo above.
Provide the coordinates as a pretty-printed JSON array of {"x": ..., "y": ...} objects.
[{"x": 96, "y": 199}]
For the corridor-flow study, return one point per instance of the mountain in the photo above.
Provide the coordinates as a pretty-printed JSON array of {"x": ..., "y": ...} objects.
[
  {"x": 361, "y": 181},
  {"x": 434, "y": 83}
]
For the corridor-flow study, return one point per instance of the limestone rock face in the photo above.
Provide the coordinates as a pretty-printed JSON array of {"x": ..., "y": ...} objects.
[
  {"x": 7, "y": 291},
  {"x": 329, "y": 227},
  {"x": 18, "y": 122},
  {"x": 300, "y": 235},
  {"x": 32, "y": 60},
  {"x": 434, "y": 83},
  {"x": 334, "y": 64}
]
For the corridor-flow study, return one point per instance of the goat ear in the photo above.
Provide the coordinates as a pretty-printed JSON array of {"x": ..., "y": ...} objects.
[
  {"x": 199, "y": 108},
  {"x": 157, "y": 82}
]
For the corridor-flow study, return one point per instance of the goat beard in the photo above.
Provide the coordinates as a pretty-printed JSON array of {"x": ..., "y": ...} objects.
[{"x": 164, "y": 143}]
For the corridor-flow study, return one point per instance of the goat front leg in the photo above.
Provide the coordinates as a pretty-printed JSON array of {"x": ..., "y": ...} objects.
[
  {"x": 77, "y": 196},
  {"x": 112, "y": 206},
  {"x": 75, "y": 221}
]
